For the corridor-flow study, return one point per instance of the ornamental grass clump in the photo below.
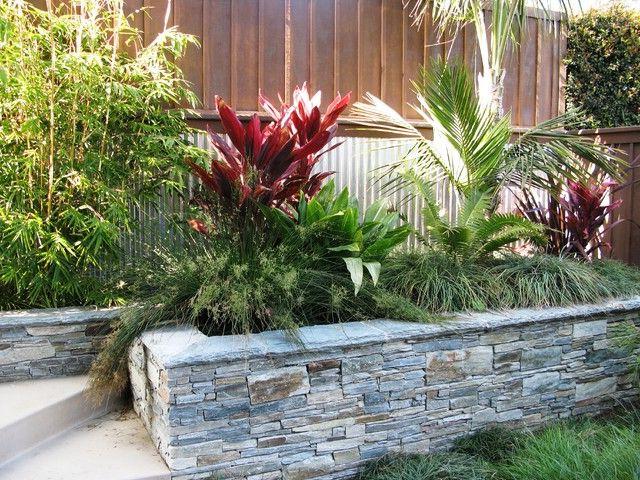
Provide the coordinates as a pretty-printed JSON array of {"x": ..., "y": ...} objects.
[{"x": 85, "y": 134}]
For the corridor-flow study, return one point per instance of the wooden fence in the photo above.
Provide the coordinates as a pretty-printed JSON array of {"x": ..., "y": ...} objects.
[
  {"x": 625, "y": 237},
  {"x": 341, "y": 45}
]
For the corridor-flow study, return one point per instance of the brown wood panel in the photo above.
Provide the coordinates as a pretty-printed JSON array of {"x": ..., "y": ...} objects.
[
  {"x": 322, "y": 48},
  {"x": 370, "y": 51},
  {"x": 392, "y": 45},
  {"x": 528, "y": 67},
  {"x": 347, "y": 46},
  {"x": 625, "y": 237},
  {"x": 299, "y": 40},
  {"x": 357, "y": 45},
  {"x": 544, "y": 71},
  {"x": 158, "y": 15},
  {"x": 245, "y": 48},
  {"x": 216, "y": 51},
  {"x": 413, "y": 59},
  {"x": 633, "y": 210},
  {"x": 471, "y": 59},
  {"x": 188, "y": 17},
  {"x": 272, "y": 48},
  {"x": 511, "y": 83}
]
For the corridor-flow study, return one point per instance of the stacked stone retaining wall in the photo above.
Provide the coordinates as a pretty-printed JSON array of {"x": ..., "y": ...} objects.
[
  {"x": 263, "y": 407},
  {"x": 50, "y": 342}
]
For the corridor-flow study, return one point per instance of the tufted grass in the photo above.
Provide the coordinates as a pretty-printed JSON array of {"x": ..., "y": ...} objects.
[
  {"x": 602, "y": 449},
  {"x": 440, "y": 283}
]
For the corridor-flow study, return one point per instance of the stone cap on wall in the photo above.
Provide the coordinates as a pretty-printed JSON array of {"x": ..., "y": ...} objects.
[
  {"x": 56, "y": 316},
  {"x": 181, "y": 346}
]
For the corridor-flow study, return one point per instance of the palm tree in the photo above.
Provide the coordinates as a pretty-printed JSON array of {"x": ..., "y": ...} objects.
[
  {"x": 506, "y": 26},
  {"x": 476, "y": 230},
  {"x": 477, "y": 150},
  {"x": 475, "y": 155}
]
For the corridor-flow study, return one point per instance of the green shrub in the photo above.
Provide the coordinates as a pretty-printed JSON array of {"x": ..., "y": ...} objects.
[
  {"x": 603, "y": 54},
  {"x": 586, "y": 450},
  {"x": 440, "y": 282},
  {"x": 439, "y": 466},
  {"x": 332, "y": 227},
  {"x": 84, "y": 135},
  {"x": 547, "y": 280},
  {"x": 491, "y": 445},
  {"x": 271, "y": 283},
  {"x": 603, "y": 449}
]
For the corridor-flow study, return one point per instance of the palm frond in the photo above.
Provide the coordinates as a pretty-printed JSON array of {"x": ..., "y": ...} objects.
[
  {"x": 547, "y": 152},
  {"x": 446, "y": 94}
]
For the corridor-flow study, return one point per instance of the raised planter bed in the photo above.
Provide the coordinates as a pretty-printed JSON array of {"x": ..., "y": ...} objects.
[
  {"x": 263, "y": 407},
  {"x": 50, "y": 342}
]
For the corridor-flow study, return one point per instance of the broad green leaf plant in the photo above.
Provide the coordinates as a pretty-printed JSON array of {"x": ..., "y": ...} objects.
[
  {"x": 85, "y": 135},
  {"x": 333, "y": 226}
]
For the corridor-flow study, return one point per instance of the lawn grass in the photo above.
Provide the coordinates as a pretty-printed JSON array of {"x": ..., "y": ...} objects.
[{"x": 601, "y": 449}]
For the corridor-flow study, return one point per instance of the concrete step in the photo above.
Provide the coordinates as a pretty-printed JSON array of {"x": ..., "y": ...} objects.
[
  {"x": 34, "y": 411},
  {"x": 113, "y": 447}
]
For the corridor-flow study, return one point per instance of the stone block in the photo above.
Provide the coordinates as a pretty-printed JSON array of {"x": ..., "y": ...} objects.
[
  {"x": 595, "y": 389},
  {"x": 309, "y": 468},
  {"x": 540, "y": 383},
  {"x": 535, "y": 358},
  {"x": 278, "y": 384},
  {"x": 24, "y": 353},
  {"x": 590, "y": 329}
]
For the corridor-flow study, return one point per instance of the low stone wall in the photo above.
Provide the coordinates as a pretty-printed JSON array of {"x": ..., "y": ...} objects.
[
  {"x": 262, "y": 407},
  {"x": 50, "y": 342}
]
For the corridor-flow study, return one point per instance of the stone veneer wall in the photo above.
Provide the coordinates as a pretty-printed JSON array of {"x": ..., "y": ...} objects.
[
  {"x": 261, "y": 407},
  {"x": 50, "y": 342}
]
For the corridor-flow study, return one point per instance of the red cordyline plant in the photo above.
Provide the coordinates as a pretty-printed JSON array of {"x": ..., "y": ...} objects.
[
  {"x": 271, "y": 165},
  {"x": 576, "y": 221}
]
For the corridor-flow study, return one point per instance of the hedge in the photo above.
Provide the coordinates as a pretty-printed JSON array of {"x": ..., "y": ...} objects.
[{"x": 603, "y": 66}]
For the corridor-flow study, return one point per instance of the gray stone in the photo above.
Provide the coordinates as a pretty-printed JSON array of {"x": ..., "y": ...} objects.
[
  {"x": 590, "y": 329},
  {"x": 278, "y": 384},
  {"x": 309, "y": 468},
  {"x": 598, "y": 388},
  {"x": 540, "y": 382},
  {"x": 26, "y": 353},
  {"x": 540, "y": 357}
]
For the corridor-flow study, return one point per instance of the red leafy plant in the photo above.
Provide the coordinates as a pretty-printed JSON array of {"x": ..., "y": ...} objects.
[
  {"x": 578, "y": 219},
  {"x": 269, "y": 165}
]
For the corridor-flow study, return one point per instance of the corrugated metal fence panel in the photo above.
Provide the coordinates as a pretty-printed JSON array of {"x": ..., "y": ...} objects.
[{"x": 358, "y": 164}]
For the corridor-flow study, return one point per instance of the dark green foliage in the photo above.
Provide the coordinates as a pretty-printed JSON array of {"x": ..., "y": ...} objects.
[
  {"x": 332, "y": 227},
  {"x": 268, "y": 284},
  {"x": 491, "y": 445},
  {"x": 585, "y": 450},
  {"x": 440, "y": 282},
  {"x": 603, "y": 54},
  {"x": 84, "y": 135},
  {"x": 603, "y": 449},
  {"x": 547, "y": 280},
  {"x": 623, "y": 280},
  {"x": 439, "y": 466}
]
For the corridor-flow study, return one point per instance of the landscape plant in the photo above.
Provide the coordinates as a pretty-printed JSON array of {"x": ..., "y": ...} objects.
[
  {"x": 577, "y": 216},
  {"x": 603, "y": 51},
  {"x": 331, "y": 227},
  {"x": 85, "y": 134},
  {"x": 269, "y": 165},
  {"x": 601, "y": 449}
]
